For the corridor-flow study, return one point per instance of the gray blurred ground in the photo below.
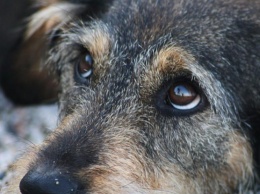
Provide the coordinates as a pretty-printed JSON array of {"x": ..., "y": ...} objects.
[{"x": 21, "y": 127}]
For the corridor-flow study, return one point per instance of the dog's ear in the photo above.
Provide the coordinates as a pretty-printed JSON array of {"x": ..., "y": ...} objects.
[{"x": 23, "y": 76}]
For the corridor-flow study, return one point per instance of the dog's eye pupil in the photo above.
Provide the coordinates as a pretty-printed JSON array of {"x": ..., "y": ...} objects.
[
  {"x": 183, "y": 96},
  {"x": 85, "y": 66}
]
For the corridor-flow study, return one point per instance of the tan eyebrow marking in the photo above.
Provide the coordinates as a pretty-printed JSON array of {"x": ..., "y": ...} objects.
[
  {"x": 172, "y": 59},
  {"x": 96, "y": 40},
  {"x": 168, "y": 62}
]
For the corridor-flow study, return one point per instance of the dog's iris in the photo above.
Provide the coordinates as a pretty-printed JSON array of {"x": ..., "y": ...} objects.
[
  {"x": 85, "y": 66},
  {"x": 183, "y": 96}
]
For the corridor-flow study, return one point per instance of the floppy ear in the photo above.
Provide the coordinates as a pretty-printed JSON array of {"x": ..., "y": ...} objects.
[{"x": 23, "y": 76}]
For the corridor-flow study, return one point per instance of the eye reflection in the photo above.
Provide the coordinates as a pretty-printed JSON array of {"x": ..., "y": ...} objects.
[
  {"x": 85, "y": 66},
  {"x": 183, "y": 96}
]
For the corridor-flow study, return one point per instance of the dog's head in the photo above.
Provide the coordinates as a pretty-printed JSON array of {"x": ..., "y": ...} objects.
[{"x": 155, "y": 97}]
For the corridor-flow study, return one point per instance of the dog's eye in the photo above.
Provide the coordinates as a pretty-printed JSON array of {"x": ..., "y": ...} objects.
[
  {"x": 183, "y": 96},
  {"x": 85, "y": 66}
]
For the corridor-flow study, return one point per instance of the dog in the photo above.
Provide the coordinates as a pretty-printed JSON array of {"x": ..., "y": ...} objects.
[{"x": 154, "y": 96}]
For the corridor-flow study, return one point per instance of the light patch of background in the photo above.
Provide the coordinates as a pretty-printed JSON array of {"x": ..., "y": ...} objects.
[{"x": 21, "y": 127}]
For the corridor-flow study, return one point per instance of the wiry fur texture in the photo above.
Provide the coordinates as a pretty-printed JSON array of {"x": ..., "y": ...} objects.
[{"x": 118, "y": 134}]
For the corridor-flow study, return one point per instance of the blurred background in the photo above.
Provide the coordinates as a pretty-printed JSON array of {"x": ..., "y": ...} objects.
[
  {"x": 20, "y": 126},
  {"x": 12, "y": 17}
]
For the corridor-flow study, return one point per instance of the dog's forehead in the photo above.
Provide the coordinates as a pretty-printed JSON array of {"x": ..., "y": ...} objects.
[
  {"x": 141, "y": 25},
  {"x": 131, "y": 33},
  {"x": 135, "y": 25},
  {"x": 140, "y": 21}
]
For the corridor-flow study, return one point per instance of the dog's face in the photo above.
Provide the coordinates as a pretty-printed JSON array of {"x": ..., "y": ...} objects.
[{"x": 155, "y": 98}]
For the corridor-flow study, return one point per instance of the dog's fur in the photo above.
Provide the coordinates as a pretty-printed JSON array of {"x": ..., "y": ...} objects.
[{"x": 117, "y": 131}]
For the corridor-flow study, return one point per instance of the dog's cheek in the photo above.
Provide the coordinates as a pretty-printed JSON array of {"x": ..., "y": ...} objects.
[
  {"x": 125, "y": 172},
  {"x": 240, "y": 159},
  {"x": 124, "y": 167},
  {"x": 228, "y": 157},
  {"x": 236, "y": 171},
  {"x": 122, "y": 170}
]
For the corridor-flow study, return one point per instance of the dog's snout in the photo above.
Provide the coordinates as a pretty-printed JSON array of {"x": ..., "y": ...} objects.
[{"x": 48, "y": 183}]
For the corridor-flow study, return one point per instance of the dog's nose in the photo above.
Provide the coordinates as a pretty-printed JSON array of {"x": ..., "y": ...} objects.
[{"x": 48, "y": 183}]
